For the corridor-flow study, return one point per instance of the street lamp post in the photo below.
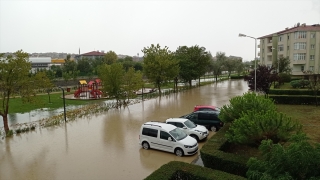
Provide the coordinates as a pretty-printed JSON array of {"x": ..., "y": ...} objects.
[
  {"x": 64, "y": 104},
  {"x": 255, "y": 59}
]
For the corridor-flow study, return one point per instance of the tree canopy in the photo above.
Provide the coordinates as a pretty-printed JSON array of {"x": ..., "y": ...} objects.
[{"x": 159, "y": 65}]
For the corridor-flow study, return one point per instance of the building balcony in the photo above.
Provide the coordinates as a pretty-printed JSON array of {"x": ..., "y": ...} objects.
[
  {"x": 299, "y": 62},
  {"x": 297, "y": 73}
]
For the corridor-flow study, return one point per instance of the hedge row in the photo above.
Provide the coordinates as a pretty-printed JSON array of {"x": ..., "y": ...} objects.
[
  {"x": 176, "y": 170},
  {"x": 299, "y": 100},
  {"x": 292, "y": 92},
  {"x": 214, "y": 157},
  {"x": 236, "y": 77}
]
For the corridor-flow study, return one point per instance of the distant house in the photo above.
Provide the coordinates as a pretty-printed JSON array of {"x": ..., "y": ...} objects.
[
  {"x": 38, "y": 63},
  {"x": 90, "y": 55}
]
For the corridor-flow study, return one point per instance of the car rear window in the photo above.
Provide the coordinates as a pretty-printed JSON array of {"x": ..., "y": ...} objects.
[{"x": 150, "y": 132}]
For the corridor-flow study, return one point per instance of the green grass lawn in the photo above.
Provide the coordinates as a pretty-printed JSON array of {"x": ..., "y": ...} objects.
[{"x": 42, "y": 101}]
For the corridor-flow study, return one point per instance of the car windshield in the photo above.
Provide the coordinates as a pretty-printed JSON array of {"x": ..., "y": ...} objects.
[
  {"x": 190, "y": 124},
  {"x": 178, "y": 134}
]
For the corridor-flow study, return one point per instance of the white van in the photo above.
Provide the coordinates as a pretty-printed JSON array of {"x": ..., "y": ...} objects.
[{"x": 167, "y": 137}]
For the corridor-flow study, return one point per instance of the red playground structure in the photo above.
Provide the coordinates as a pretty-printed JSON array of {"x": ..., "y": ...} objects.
[{"x": 89, "y": 90}]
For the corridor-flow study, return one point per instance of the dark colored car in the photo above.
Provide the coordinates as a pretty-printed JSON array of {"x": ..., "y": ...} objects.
[
  {"x": 209, "y": 119},
  {"x": 206, "y": 108}
]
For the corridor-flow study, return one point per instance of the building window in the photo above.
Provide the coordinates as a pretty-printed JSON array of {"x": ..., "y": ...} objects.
[
  {"x": 280, "y": 48},
  {"x": 299, "y": 56},
  {"x": 263, "y": 41},
  {"x": 311, "y": 68},
  {"x": 300, "y": 45},
  {"x": 311, "y": 57},
  {"x": 280, "y": 38},
  {"x": 312, "y": 46},
  {"x": 288, "y": 48},
  {"x": 302, "y": 68},
  {"x": 300, "y": 35},
  {"x": 313, "y": 35}
]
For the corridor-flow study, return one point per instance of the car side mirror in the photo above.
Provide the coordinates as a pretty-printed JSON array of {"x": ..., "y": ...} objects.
[{"x": 169, "y": 139}]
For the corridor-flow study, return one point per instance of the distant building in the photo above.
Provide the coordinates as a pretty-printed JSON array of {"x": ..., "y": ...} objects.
[
  {"x": 236, "y": 57},
  {"x": 90, "y": 55},
  {"x": 301, "y": 44},
  {"x": 38, "y": 63}
]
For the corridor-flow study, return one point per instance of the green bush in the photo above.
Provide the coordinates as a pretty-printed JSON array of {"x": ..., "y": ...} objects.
[
  {"x": 291, "y": 92},
  {"x": 236, "y": 77},
  {"x": 254, "y": 127},
  {"x": 241, "y": 104},
  {"x": 299, "y": 160},
  {"x": 175, "y": 170},
  {"x": 300, "y": 83},
  {"x": 285, "y": 99},
  {"x": 214, "y": 156},
  {"x": 285, "y": 77}
]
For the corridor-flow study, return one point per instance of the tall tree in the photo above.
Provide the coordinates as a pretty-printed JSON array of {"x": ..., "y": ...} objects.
[
  {"x": 264, "y": 78},
  {"x": 202, "y": 59},
  {"x": 110, "y": 57},
  {"x": 14, "y": 80},
  {"x": 314, "y": 85},
  {"x": 84, "y": 66},
  {"x": 42, "y": 81},
  {"x": 282, "y": 65},
  {"x": 216, "y": 64},
  {"x": 187, "y": 65},
  {"x": 112, "y": 78},
  {"x": 230, "y": 65},
  {"x": 159, "y": 65},
  {"x": 132, "y": 82}
]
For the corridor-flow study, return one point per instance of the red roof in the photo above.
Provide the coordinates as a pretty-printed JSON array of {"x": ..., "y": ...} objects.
[
  {"x": 93, "y": 53},
  {"x": 315, "y": 27}
]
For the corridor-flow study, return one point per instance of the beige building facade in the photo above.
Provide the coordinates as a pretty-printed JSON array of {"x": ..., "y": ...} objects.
[{"x": 300, "y": 43}]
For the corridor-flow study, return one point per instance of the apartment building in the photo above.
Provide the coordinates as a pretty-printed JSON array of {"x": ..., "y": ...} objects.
[{"x": 300, "y": 43}]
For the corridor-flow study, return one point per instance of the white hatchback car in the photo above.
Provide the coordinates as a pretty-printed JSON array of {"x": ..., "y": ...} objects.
[
  {"x": 196, "y": 131},
  {"x": 167, "y": 137}
]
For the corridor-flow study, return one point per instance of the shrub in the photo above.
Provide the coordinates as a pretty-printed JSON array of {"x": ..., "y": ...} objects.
[
  {"x": 254, "y": 127},
  {"x": 181, "y": 170},
  {"x": 284, "y": 99},
  {"x": 299, "y": 160},
  {"x": 241, "y": 104},
  {"x": 300, "y": 83},
  {"x": 214, "y": 156},
  {"x": 285, "y": 77}
]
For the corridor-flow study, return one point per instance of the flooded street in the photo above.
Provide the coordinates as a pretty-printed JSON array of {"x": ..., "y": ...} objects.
[{"x": 105, "y": 146}]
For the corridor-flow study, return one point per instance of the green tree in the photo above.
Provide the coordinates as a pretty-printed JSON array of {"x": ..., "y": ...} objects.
[
  {"x": 84, "y": 66},
  {"x": 159, "y": 65},
  {"x": 240, "y": 105},
  {"x": 112, "y": 77},
  {"x": 42, "y": 81},
  {"x": 110, "y": 57},
  {"x": 252, "y": 127},
  {"x": 298, "y": 161},
  {"x": 239, "y": 67},
  {"x": 66, "y": 76},
  {"x": 57, "y": 71},
  {"x": 14, "y": 80},
  {"x": 229, "y": 65},
  {"x": 187, "y": 66},
  {"x": 282, "y": 65},
  {"x": 132, "y": 82},
  {"x": 314, "y": 83},
  {"x": 202, "y": 60}
]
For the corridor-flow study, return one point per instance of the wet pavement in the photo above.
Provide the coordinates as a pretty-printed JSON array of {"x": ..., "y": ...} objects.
[{"x": 105, "y": 146}]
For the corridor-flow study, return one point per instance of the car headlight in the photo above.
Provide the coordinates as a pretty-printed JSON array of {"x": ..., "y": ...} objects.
[{"x": 186, "y": 146}]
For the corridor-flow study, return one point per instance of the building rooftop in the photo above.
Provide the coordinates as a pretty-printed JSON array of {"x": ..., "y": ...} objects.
[
  {"x": 40, "y": 59},
  {"x": 93, "y": 53},
  {"x": 303, "y": 27}
]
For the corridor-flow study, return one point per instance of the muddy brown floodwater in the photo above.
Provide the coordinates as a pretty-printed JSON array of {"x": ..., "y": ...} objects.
[{"x": 105, "y": 146}]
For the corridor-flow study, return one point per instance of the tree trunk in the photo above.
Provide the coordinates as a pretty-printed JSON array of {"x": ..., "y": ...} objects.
[
  {"x": 190, "y": 85},
  {"x": 5, "y": 123},
  {"x": 199, "y": 81},
  {"x": 159, "y": 89}
]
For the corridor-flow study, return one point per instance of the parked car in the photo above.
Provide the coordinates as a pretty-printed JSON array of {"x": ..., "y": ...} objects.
[
  {"x": 206, "y": 108},
  {"x": 167, "y": 137},
  {"x": 209, "y": 119},
  {"x": 196, "y": 131}
]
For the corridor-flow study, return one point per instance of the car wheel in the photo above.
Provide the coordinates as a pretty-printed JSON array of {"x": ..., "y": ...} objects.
[
  {"x": 213, "y": 128},
  {"x": 178, "y": 152},
  {"x": 195, "y": 137},
  {"x": 145, "y": 145}
]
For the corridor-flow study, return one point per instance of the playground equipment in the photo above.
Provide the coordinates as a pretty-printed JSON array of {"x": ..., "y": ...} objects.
[{"x": 89, "y": 90}]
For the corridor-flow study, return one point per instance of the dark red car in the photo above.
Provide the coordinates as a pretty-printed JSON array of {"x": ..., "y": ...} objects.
[{"x": 206, "y": 108}]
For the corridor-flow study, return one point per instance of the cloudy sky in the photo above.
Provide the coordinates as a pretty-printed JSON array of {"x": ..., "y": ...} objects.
[{"x": 126, "y": 27}]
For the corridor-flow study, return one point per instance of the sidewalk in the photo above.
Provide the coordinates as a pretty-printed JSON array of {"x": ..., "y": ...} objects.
[{"x": 198, "y": 161}]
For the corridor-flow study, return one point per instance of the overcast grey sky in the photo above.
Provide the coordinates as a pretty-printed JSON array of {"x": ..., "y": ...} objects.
[{"x": 126, "y": 27}]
